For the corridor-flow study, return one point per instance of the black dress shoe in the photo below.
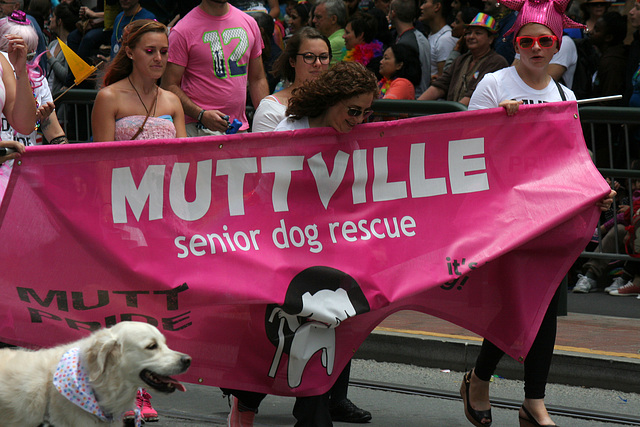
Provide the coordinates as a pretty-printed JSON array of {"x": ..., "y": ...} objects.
[{"x": 347, "y": 412}]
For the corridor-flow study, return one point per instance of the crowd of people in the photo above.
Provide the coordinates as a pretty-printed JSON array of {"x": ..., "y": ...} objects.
[{"x": 194, "y": 71}]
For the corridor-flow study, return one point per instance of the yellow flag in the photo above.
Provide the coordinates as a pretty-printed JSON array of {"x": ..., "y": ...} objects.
[{"x": 80, "y": 69}]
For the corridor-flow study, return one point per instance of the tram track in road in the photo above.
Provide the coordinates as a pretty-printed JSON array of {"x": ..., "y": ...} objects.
[{"x": 605, "y": 417}]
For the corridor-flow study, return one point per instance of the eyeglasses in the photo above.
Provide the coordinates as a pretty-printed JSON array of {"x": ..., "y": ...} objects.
[
  {"x": 545, "y": 42},
  {"x": 356, "y": 112},
  {"x": 311, "y": 58}
]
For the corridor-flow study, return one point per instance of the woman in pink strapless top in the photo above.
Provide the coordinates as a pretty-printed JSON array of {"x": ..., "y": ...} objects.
[{"x": 131, "y": 106}]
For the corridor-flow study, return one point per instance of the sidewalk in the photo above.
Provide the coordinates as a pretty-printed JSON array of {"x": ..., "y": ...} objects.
[{"x": 591, "y": 350}]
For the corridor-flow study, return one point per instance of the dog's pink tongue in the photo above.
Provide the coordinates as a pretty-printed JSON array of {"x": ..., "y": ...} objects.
[{"x": 177, "y": 384}]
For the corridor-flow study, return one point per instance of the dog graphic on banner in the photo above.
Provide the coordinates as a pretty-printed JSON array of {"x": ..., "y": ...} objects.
[{"x": 317, "y": 301}]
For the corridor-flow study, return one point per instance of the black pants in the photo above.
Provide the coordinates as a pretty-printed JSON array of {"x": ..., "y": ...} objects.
[
  {"x": 538, "y": 361},
  {"x": 311, "y": 411}
]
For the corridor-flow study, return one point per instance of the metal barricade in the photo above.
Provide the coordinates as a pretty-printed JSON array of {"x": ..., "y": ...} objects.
[
  {"x": 612, "y": 135},
  {"x": 74, "y": 112},
  {"x": 395, "y": 108}
]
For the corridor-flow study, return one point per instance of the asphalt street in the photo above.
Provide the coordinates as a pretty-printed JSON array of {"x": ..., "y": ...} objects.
[{"x": 205, "y": 406}]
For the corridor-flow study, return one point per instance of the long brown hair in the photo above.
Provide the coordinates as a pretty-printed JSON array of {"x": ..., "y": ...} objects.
[{"x": 122, "y": 65}]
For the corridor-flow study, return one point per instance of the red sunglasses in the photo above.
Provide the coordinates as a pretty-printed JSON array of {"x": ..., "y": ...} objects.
[{"x": 545, "y": 42}]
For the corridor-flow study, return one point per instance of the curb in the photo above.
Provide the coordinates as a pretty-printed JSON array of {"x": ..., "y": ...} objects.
[{"x": 568, "y": 367}]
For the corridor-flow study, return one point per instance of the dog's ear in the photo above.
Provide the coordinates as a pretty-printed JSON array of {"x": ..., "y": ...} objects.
[{"x": 105, "y": 350}]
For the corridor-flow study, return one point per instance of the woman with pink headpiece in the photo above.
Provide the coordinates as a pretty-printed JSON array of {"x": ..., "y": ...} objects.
[
  {"x": 538, "y": 30},
  {"x": 16, "y": 100}
]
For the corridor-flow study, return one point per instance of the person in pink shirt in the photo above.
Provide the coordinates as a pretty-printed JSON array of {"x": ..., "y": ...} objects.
[{"x": 215, "y": 51}]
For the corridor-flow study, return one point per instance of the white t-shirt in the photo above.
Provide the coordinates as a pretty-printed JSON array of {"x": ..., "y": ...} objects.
[
  {"x": 268, "y": 115},
  {"x": 442, "y": 43},
  {"x": 292, "y": 124},
  {"x": 506, "y": 84},
  {"x": 567, "y": 56}
]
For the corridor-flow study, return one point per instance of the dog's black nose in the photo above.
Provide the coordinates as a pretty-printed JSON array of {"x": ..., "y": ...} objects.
[{"x": 185, "y": 360}]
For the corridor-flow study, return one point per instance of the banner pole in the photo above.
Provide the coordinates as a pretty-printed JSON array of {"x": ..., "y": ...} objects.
[{"x": 600, "y": 99}]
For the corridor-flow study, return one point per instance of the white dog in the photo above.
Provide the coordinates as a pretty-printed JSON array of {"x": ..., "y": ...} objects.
[{"x": 45, "y": 386}]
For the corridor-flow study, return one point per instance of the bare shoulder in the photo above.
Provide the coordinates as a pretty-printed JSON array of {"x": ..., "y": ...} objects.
[
  {"x": 108, "y": 93},
  {"x": 171, "y": 98},
  {"x": 113, "y": 95}
]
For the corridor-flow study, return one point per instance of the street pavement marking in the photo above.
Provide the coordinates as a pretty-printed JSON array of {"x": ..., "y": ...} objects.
[{"x": 469, "y": 338}]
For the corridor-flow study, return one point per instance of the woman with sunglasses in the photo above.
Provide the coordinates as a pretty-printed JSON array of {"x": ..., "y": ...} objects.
[
  {"x": 339, "y": 98},
  {"x": 538, "y": 31},
  {"x": 306, "y": 55}
]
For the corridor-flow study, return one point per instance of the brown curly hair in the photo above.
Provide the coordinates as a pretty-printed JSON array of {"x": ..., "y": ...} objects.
[
  {"x": 122, "y": 65},
  {"x": 343, "y": 81}
]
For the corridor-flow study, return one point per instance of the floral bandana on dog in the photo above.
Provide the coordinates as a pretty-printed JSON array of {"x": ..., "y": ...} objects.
[{"x": 72, "y": 381}]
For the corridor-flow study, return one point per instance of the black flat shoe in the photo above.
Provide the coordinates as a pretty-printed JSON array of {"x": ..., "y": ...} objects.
[
  {"x": 530, "y": 421},
  {"x": 347, "y": 412},
  {"x": 474, "y": 417}
]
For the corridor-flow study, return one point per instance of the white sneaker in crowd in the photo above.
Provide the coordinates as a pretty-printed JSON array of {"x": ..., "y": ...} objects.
[
  {"x": 584, "y": 285},
  {"x": 617, "y": 283}
]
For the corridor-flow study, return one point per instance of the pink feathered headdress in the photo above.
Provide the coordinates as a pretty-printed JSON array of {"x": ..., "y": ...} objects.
[{"x": 549, "y": 13}]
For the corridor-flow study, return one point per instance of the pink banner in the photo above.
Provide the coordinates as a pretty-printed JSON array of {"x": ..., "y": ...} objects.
[{"x": 269, "y": 258}]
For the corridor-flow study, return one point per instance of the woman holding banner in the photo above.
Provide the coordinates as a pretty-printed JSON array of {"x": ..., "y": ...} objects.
[
  {"x": 131, "y": 105},
  {"x": 339, "y": 98},
  {"x": 538, "y": 30}
]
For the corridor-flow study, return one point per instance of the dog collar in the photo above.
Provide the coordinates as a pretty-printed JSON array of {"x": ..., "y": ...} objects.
[{"x": 72, "y": 381}]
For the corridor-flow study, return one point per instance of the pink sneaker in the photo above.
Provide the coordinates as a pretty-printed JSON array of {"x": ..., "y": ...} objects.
[
  {"x": 238, "y": 418},
  {"x": 143, "y": 401},
  {"x": 626, "y": 291}
]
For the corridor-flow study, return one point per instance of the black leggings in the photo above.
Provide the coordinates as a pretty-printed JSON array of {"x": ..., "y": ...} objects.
[{"x": 538, "y": 361}]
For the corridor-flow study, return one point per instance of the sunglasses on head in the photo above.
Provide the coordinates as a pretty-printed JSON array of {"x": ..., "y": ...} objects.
[
  {"x": 545, "y": 42},
  {"x": 356, "y": 112}
]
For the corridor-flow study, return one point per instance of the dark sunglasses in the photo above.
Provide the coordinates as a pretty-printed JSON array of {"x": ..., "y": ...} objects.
[
  {"x": 356, "y": 112},
  {"x": 545, "y": 42},
  {"x": 311, "y": 58}
]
